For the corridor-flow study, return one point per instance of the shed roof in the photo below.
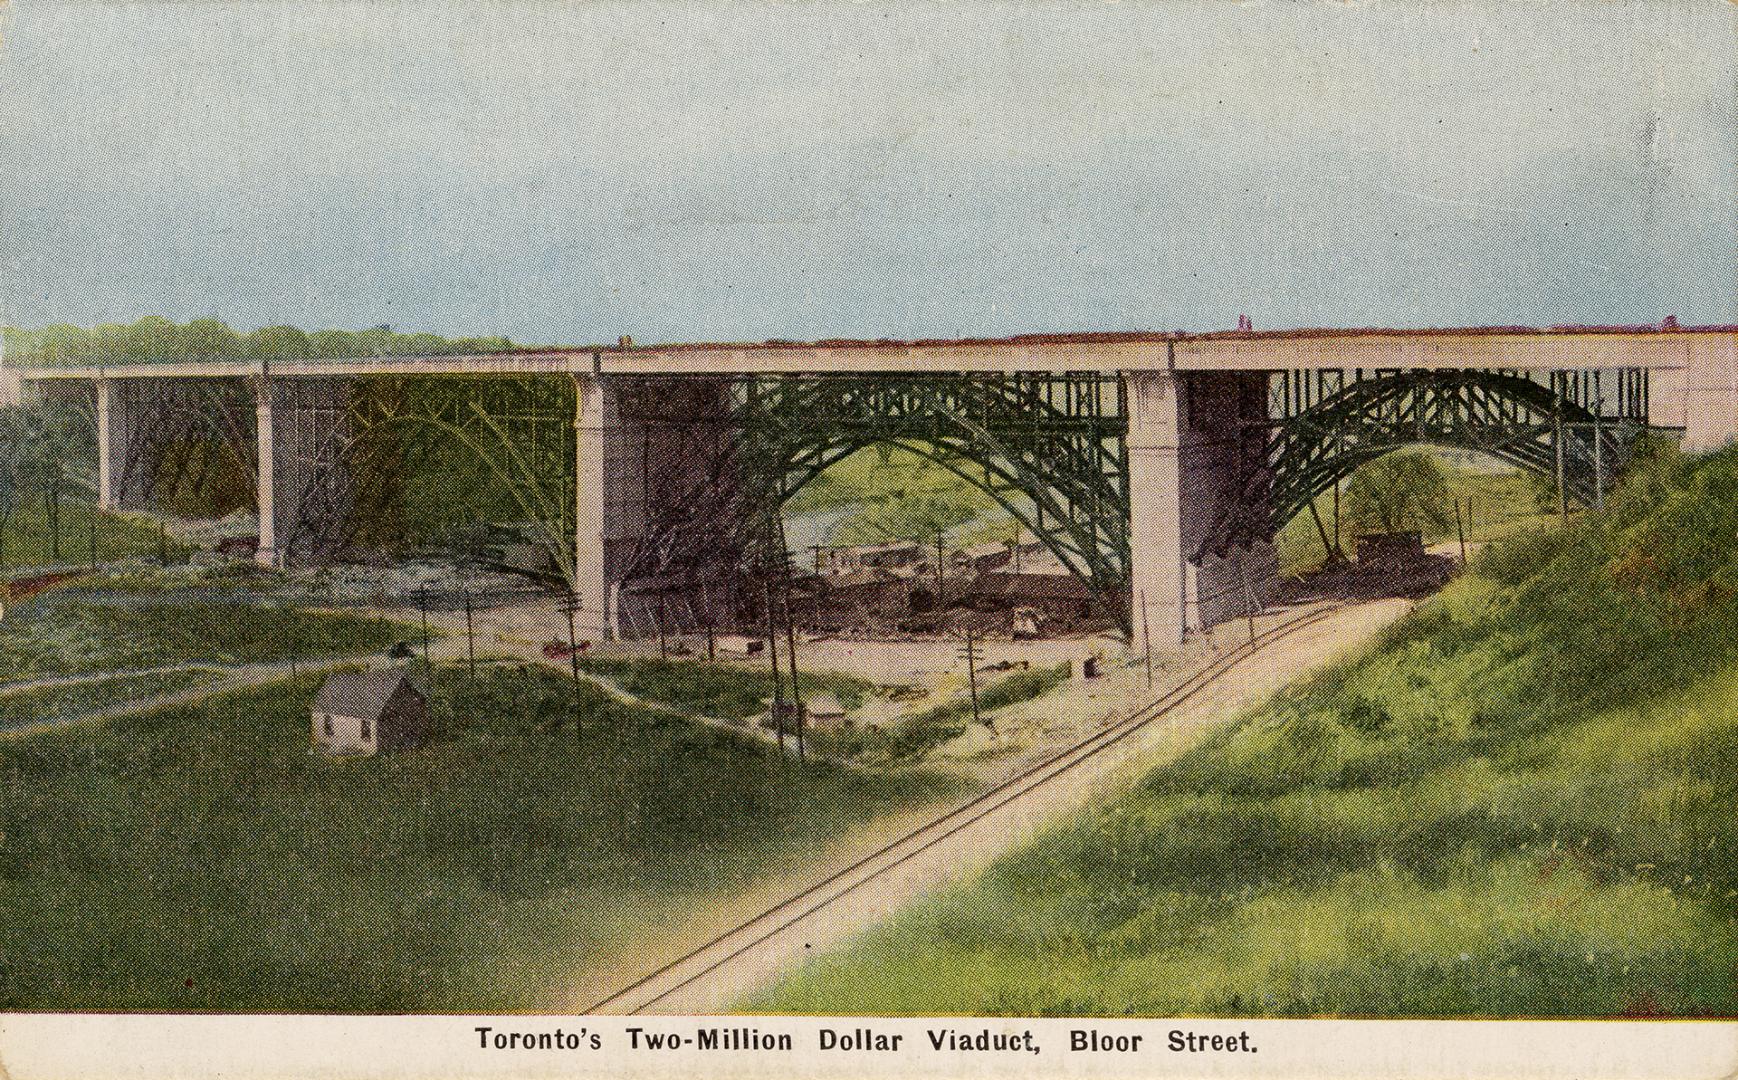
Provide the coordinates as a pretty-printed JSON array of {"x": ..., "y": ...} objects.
[{"x": 359, "y": 693}]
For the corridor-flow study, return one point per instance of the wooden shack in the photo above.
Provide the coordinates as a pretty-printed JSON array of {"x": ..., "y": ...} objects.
[{"x": 367, "y": 712}]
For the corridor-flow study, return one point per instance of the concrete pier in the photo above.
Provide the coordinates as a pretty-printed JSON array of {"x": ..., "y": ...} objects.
[
  {"x": 303, "y": 427},
  {"x": 121, "y": 465},
  {"x": 1188, "y": 434}
]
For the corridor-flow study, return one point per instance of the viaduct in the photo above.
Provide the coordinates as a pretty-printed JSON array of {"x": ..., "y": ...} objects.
[{"x": 1158, "y": 467}]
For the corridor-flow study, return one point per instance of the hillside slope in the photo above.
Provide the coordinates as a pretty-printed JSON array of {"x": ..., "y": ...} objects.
[{"x": 1519, "y": 803}]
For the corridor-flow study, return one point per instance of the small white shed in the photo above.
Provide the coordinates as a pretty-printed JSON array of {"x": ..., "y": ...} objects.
[{"x": 369, "y": 711}]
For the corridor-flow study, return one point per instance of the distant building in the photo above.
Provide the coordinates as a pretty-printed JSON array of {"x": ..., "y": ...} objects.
[
  {"x": 860, "y": 557},
  {"x": 369, "y": 711},
  {"x": 825, "y": 713},
  {"x": 982, "y": 558}
]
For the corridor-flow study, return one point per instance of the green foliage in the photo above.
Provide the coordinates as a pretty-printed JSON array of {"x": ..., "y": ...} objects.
[
  {"x": 1399, "y": 491},
  {"x": 47, "y": 704},
  {"x": 202, "y": 858},
  {"x": 1494, "y": 504},
  {"x": 36, "y": 443},
  {"x": 156, "y": 340},
  {"x": 916, "y": 735},
  {"x": 891, "y": 493},
  {"x": 72, "y": 633},
  {"x": 28, "y": 539},
  {"x": 726, "y": 692},
  {"x": 1519, "y": 802}
]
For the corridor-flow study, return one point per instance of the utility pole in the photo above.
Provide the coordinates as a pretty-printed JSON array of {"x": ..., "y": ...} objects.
[
  {"x": 970, "y": 654},
  {"x": 1248, "y": 598},
  {"x": 1337, "y": 547},
  {"x": 1460, "y": 526},
  {"x": 778, "y": 700},
  {"x": 470, "y": 637},
  {"x": 422, "y": 610},
  {"x": 570, "y": 608},
  {"x": 54, "y": 514},
  {"x": 939, "y": 559},
  {"x": 784, "y": 566}
]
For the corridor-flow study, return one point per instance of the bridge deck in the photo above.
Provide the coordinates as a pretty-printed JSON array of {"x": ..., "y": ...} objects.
[{"x": 1475, "y": 347}]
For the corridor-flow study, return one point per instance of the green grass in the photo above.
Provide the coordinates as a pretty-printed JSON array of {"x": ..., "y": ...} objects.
[
  {"x": 46, "y": 704},
  {"x": 202, "y": 858},
  {"x": 1519, "y": 802},
  {"x": 1496, "y": 505},
  {"x": 729, "y": 692},
  {"x": 902, "y": 496},
  {"x": 916, "y": 735},
  {"x": 28, "y": 539},
  {"x": 77, "y": 632}
]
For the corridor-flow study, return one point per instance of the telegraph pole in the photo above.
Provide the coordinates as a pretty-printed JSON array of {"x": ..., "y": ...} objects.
[
  {"x": 422, "y": 609},
  {"x": 1248, "y": 598},
  {"x": 570, "y": 608},
  {"x": 470, "y": 637},
  {"x": 784, "y": 565},
  {"x": 970, "y": 654},
  {"x": 778, "y": 698},
  {"x": 939, "y": 559}
]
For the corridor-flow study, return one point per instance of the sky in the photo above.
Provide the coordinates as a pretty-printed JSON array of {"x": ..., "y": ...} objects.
[{"x": 572, "y": 172}]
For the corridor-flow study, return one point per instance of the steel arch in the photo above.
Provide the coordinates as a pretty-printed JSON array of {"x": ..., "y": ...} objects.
[
  {"x": 1055, "y": 440},
  {"x": 1509, "y": 416}
]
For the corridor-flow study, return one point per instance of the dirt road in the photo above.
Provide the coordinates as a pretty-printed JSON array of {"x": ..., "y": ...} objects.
[{"x": 960, "y": 844}]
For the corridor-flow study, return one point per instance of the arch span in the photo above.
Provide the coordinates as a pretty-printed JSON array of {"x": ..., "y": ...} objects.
[
  {"x": 1536, "y": 426},
  {"x": 1046, "y": 448}
]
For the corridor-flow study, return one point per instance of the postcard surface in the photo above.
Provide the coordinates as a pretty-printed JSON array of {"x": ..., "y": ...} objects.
[{"x": 888, "y": 539}]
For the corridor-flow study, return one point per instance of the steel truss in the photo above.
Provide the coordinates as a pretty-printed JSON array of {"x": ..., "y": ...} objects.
[
  {"x": 1047, "y": 447},
  {"x": 375, "y": 432},
  {"x": 1324, "y": 424},
  {"x": 180, "y": 435}
]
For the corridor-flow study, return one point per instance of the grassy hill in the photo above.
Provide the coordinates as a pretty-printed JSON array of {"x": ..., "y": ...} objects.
[
  {"x": 1519, "y": 803},
  {"x": 202, "y": 858}
]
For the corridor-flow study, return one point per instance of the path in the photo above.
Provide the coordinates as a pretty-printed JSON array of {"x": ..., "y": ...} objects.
[
  {"x": 960, "y": 844},
  {"x": 50, "y": 682},
  {"x": 240, "y": 678}
]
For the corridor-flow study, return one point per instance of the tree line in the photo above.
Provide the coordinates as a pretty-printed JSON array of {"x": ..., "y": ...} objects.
[{"x": 156, "y": 340}]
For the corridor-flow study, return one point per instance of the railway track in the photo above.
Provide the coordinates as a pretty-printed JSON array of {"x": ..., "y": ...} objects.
[{"x": 694, "y": 965}]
